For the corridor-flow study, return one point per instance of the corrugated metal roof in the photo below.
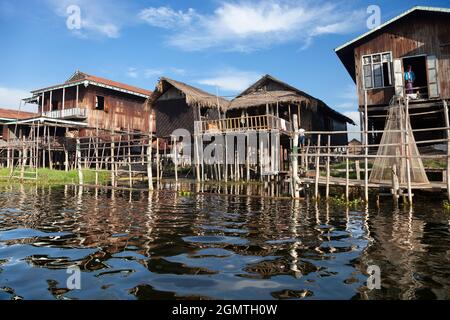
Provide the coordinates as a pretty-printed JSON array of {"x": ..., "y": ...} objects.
[
  {"x": 11, "y": 114},
  {"x": 80, "y": 78}
]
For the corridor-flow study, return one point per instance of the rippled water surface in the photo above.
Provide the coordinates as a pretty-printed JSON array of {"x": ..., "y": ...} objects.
[{"x": 169, "y": 245}]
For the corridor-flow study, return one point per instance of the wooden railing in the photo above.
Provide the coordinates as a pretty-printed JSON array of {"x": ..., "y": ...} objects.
[
  {"x": 66, "y": 113},
  {"x": 260, "y": 122}
]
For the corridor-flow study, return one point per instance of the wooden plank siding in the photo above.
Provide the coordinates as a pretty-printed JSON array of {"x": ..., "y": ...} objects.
[
  {"x": 415, "y": 35},
  {"x": 122, "y": 111}
]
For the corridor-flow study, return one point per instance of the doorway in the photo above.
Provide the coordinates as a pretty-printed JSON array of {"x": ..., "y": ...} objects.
[{"x": 418, "y": 66}]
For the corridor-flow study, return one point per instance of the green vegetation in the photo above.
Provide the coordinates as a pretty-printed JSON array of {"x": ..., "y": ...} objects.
[
  {"x": 446, "y": 205},
  {"x": 434, "y": 163},
  {"x": 57, "y": 177},
  {"x": 342, "y": 202}
]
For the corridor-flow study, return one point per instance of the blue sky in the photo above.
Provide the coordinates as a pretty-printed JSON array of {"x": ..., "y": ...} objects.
[{"x": 214, "y": 44}]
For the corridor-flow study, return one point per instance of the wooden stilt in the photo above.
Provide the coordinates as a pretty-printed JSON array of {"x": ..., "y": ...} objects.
[
  {"x": 149, "y": 164},
  {"x": 366, "y": 149},
  {"x": 347, "y": 176},
  {"x": 157, "y": 160},
  {"x": 113, "y": 165},
  {"x": 407, "y": 151},
  {"x": 316, "y": 186},
  {"x": 80, "y": 171},
  {"x": 327, "y": 190},
  {"x": 447, "y": 124}
]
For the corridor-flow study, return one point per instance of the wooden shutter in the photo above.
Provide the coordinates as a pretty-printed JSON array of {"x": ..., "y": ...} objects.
[
  {"x": 433, "y": 84},
  {"x": 398, "y": 77}
]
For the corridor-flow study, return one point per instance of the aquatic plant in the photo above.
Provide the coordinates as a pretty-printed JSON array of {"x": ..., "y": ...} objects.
[{"x": 342, "y": 202}]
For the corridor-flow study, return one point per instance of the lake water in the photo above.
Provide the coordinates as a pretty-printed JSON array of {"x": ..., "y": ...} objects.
[{"x": 176, "y": 245}]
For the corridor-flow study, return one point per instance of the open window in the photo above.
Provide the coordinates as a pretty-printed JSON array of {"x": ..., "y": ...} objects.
[
  {"x": 415, "y": 72},
  {"x": 377, "y": 70},
  {"x": 99, "y": 103}
]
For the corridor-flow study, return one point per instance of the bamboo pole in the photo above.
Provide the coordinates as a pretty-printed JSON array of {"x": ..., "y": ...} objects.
[
  {"x": 149, "y": 165},
  {"x": 113, "y": 174},
  {"x": 366, "y": 149},
  {"x": 316, "y": 187},
  {"x": 175, "y": 157},
  {"x": 66, "y": 154},
  {"x": 407, "y": 152},
  {"x": 80, "y": 172},
  {"x": 347, "y": 176},
  {"x": 130, "y": 176},
  {"x": 157, "y": 160},
  {"x": 327, "y": 190},
  {"x": 447, "y": 124},
  {"x": 295, "y": 192}
]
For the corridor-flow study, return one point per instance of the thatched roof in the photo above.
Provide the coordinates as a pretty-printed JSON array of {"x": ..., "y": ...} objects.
[
  {"x": 259, "y": 94},
  {"x": 194, "y": 96},
  {"x": 260, "y": 98}
]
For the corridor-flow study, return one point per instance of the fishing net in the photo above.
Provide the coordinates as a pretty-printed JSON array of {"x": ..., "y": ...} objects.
[{"x": 395, "y": 141}]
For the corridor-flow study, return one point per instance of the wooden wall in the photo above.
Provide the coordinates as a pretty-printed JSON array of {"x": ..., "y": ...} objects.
[
  {"x": 415, "y": 35},
  {"x": 122, "y": 111}
]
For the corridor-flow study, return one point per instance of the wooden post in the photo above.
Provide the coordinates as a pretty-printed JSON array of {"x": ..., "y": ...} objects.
[
  {"x": 113, "y": 174},
  {"x": 43, "y": 149},
  {"x": 295, "y": 193},
  {"x": 366, "y": 150},
  {"x": 316, "y": 187},
  {"x": 447, "y": 124},
  {"x": 197, "y": 135},
  {"x": 80, "y": 172},
  {"x": 130, "y": 175},
  {"x": 50, "y": 159},
  {"x": 66, "y": 155},
  {"x": 358, "y": 170},
  {"x": 407, "y": 152},
  {"x": 327, "y": 191},
  {"x": 157, "y": 160},
  {"x": 247, "y": 159},
  {"x": 347, "y": 175},
  {"x": 226, "y": 159},
  {"x": 175, "y": 157},
  {"x": 149, "y": 164},
  {"x": 64, "y": 99},
  {"x": 77, "y": 96}
]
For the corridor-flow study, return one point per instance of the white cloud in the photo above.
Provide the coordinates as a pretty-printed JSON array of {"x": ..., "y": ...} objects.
[
  {"x": 231, "y": 80},
  {"x": 249, "y": 25},
  {"x": 132, "y": 73},
  {"x": 165, "y": 17},
  {"x": 147, "y": 73},
  {"x": 100, "y": 18},
  {"x": 178, "y": 71},
  {"x": 10, "y": 98}
]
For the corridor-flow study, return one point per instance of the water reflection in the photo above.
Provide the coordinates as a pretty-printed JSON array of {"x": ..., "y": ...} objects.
[{"x": 185, "y": 244}]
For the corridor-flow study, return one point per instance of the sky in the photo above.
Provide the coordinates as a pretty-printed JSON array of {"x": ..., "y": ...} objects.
[{"x": 221, "y": 46}]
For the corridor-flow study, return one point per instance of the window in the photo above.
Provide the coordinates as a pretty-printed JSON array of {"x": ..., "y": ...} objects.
[
  {"x": 99, "y": 103},
  {"x": 377, "y": 70}
]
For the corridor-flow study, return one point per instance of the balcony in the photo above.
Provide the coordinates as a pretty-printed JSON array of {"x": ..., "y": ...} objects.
[
  {"x": 260, "y": 122},
  {"x": 72, "y": 113}
]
